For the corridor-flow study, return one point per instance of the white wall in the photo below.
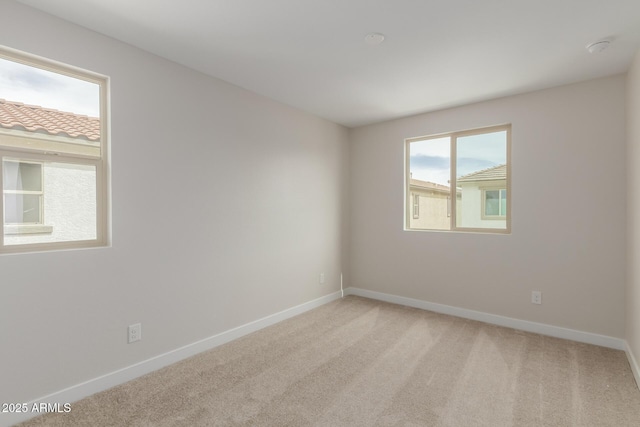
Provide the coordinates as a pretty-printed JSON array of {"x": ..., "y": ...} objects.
[
  {"x": 633, "y": 212},
  {"x": 568, "y": 206},
  {"x": 226, "y": 207}
]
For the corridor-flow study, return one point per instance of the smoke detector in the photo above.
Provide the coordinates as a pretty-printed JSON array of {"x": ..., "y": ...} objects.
[
  {"x": 374, "y": 39},
  {"x": 599, "y": 46}
]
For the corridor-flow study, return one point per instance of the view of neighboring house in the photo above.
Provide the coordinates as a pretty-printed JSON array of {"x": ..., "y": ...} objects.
[
  {"x": 483, "y": 201},
  {"x": 48, "y": 201},
  {"x": 430, "y": 205}
]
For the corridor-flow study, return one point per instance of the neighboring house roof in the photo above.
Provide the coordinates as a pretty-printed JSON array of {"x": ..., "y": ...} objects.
[
  {"x": 18, "y": 116},
  {"x": 491, "y": 174},
  {"x": 427, "y": 185}
]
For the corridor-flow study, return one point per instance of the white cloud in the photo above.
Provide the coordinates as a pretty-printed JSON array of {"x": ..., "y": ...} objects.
[
  {"x": 430, "y": 158},
  {"x": 34, "y": 86}
]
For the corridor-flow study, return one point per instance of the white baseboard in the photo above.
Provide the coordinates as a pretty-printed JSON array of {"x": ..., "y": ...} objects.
[
  {"x": 633, "y": 362},
  {"x": 523, "y": 325},
  {"x": 85, "y": 389}
]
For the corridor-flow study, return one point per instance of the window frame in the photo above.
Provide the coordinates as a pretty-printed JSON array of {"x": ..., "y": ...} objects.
[
  {"x": 453, "y": 136},
  {"x": 40, "y": 154}
]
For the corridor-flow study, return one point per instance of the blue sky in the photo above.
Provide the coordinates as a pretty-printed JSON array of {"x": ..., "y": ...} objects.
[
  {"x": 34, "y": 86},
  {"x": 430, "y": 159}
]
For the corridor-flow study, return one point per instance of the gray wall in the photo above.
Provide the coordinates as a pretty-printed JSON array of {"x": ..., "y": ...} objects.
[
  {"x": 633, "y": 239},
  {"x": 568, "y": 207},
  {"x": 226, "y": 208}
]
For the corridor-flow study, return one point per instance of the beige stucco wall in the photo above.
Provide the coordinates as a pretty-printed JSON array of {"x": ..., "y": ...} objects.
[{"x": 433, "y": 210}]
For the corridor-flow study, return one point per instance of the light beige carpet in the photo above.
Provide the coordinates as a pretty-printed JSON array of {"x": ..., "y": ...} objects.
[{"x": 359, "y": 362}]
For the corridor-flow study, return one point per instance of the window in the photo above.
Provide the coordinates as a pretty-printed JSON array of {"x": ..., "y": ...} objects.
[
  {"x": 495, "y": 203},
  {"x": 463, "y": 179},
  {"x": 416, "y": 206},
  {"x": 53, "y": 146}
]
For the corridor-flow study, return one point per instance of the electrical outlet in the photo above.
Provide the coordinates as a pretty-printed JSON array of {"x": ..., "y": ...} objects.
[
  {"x": 321, "y": 278},
  {"x": 536, "y": 297},
  {"x": 135, "y": 332}
]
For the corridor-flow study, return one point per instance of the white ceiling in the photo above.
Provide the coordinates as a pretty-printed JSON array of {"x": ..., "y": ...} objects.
[{"x": 311, "y": 54}]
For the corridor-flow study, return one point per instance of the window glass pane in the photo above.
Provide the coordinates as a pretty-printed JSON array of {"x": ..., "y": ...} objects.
[
  {"x": 503, "y": 202},
  {"x": 52, "y": 149},
  {"x": 22, "y": 176},
  {"x": 492, "y": 203},
  {"x": 22, "y": 208},
  {"x": 430, "y": 172},
  {"x": 69, "y": 207},
  {"x": 481, "y": 161},
  {"x": 51, "y": 111}
]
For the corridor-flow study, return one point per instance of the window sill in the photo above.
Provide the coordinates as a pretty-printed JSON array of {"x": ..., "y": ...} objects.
[{"x": 27, "y": 229}]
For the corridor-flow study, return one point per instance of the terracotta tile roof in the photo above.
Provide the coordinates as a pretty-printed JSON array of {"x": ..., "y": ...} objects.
[
  {"x": 490, "y": 174},
  {"x": 15, "y": 115}
]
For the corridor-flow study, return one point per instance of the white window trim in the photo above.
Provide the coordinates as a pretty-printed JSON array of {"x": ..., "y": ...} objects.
[
  {"x": 13, "y": 229},
  {"x": 39, "y": 154}
]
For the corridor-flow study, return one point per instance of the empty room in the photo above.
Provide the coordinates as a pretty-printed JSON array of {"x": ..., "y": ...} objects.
[{"x": 327, "y": 213}]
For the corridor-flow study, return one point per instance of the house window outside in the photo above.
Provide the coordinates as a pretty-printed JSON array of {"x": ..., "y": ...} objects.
[
  {"x": 22, "y": 188},
  {"x": 416, "y": 206},
  {"x": 53, "y": 155},
  {"x": 495, "y": 203},
  {"x": 470, "y": 171}
]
